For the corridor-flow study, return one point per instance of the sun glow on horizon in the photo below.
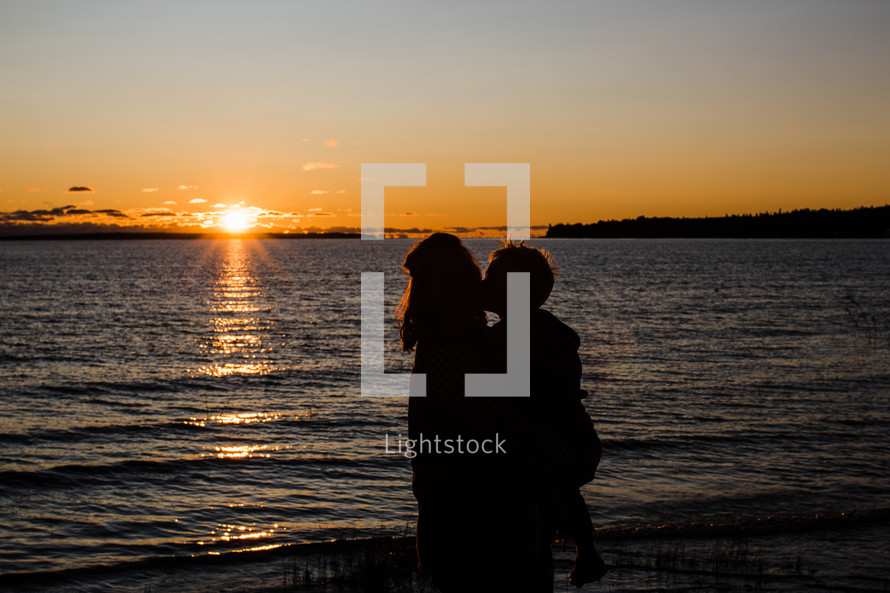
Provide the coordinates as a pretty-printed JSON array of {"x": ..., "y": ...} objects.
[{"x": 235, "y": 221}]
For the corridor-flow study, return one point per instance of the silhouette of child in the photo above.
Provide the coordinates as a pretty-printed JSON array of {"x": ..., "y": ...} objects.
[{"x": 555, "y": 394}]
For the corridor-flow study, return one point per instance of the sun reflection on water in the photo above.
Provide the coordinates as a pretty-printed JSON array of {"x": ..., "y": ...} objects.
[
  {"x": 242, "y": 418},
  {"x": 243, "y": 451},
  {"x": 238, "y": 533},
  {"x": 238, "y": 341},
  {"x": 228, "y": 369}
]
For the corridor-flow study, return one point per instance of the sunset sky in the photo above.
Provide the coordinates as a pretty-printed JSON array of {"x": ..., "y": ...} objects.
[{"x": 175, "y": 114}]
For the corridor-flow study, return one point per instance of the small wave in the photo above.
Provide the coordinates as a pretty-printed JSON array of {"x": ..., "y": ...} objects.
[
  {"x": 116, "y": 432},
  {"x": 184, "y": 384},
  {"x": 115, "y": 403},
  {"x": 749, "y": 526},
  {"x": 675, "y": 442},
  {"x": 147, "y": 470},
  {"x": 758, "y": 438},
  {"x": 80, "y": 475},
  {"x": 100, "y": 432},
  {"x": 166, "y": 563},
  {"x": 102, "y": 388}
]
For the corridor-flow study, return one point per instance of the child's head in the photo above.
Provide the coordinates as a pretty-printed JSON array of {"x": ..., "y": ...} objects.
[{"x": 518, "y": 257}]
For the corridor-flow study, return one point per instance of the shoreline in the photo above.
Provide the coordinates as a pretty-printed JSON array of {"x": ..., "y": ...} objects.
[
  {"x": 781, "y": 554},
  {"x": 865, "y": 222},
  {"x": 162, "y": 236}
]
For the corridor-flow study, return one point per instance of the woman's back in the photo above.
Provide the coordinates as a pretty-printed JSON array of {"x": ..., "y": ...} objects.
[{"x": 479, "y": 524}]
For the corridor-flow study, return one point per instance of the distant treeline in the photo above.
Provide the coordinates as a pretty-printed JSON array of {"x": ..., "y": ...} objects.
[{"x": 868, "y": 222}]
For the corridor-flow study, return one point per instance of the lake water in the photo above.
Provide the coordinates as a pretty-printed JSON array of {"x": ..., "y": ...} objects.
[{"x": 186, "y": 398}]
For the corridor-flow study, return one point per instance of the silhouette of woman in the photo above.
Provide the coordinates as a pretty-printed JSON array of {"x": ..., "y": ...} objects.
[{"x": 465, "y": 494}]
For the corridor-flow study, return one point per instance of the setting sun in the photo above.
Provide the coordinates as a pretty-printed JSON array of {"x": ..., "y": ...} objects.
[{"x": 235, "y": 221}]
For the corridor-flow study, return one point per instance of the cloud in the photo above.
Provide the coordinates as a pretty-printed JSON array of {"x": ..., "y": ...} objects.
[
  {"x": 314, "y": 165},
  {"x": 198, "y": 201},
  {"x": 408, "y": 214},
  {"x": 412, "y": 230},
  {"x": 319, "y": 192},
  {"x": 41, "y": 228},
  {"x": 534, "y": 227},
  {"x": 331, "y": 229},
  {"x": 43, "y": 215},
  {"x": 76, "y": 219},
  {"x": 149, "y": 190},
  {"x": 331, "y": 143},
  {"x": 187, "y": 187},
  {"x": 220, "y": 206},
  {"x": 112, "y": 212},
  {"x": 80, "y": 188},
  {"x": 169, "y": 203},
  {"x": 25, "y": 216}
]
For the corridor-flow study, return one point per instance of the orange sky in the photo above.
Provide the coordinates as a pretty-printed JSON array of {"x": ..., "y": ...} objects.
[{"x": 173, "y": 114}]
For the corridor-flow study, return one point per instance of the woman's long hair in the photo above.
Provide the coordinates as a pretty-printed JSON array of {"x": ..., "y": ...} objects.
[{"x": 444, "y": 287}]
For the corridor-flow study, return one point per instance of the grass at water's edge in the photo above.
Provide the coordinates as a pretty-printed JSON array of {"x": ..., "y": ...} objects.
[
  {"x": 388, "y": 565},
  {"x": 848, "y": 555}
]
